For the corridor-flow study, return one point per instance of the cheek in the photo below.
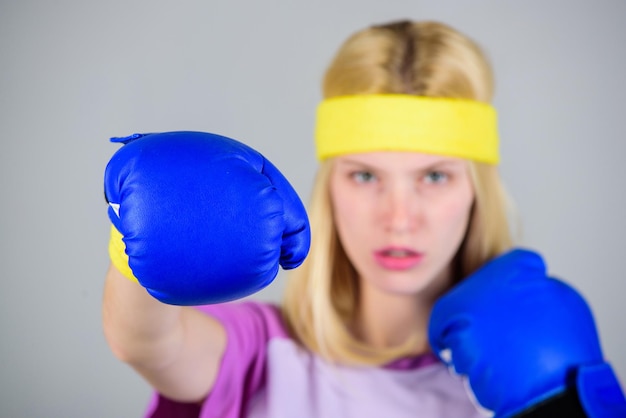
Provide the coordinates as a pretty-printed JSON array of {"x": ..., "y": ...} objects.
[
  {"x": 453, "y": 216},
  {"x": 347, "y": 217},
  {"x": 351, "y": 221}
]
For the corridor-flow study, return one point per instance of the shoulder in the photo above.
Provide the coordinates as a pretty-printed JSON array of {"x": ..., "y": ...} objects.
[{"x": 250, "y": 328}]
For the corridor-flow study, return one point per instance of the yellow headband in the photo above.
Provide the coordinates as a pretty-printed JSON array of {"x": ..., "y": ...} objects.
[{"x": 401, "y": 122}]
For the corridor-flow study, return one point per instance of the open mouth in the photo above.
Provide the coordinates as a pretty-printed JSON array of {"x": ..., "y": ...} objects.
[{"x": 398, "y": 258}]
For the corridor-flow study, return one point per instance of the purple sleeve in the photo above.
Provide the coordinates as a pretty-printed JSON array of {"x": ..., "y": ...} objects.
[{"x": 249, "y": 327}]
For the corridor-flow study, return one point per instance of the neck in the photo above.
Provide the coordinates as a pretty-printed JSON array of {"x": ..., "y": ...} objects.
[
  {"x": 391, "y": 322},
  {"x": 387, "y": 320}
]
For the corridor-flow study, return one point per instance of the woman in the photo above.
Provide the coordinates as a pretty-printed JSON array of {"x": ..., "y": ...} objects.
[
  {"x": 424, "y": 59},
  {"x": 407, "y": 203}
]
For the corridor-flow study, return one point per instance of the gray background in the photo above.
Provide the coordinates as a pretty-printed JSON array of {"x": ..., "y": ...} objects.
[{"x": 73, "y": 73}]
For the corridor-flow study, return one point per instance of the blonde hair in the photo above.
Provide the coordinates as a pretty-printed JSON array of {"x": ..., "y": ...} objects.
[{"x": 419, "y": 58}]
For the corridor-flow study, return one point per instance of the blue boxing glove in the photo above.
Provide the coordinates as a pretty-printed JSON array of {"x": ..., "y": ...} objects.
[
  {"x": 203, "y": 218},
  {"x": 522, "y": 338}
]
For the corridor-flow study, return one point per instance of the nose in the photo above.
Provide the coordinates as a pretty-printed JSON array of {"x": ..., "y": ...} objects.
[{"x": 401, "y": 210}]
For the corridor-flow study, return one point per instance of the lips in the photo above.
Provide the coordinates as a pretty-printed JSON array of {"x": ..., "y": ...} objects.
[{"x": 397, "y": 258}]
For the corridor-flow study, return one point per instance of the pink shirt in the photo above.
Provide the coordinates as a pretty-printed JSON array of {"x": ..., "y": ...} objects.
[{"x": 265, "y": 374}]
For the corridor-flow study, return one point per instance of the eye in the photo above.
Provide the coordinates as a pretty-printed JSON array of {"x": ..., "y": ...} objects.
[
  {"x": 363, "y": 176},
  {"x": 435, "y": 177}
]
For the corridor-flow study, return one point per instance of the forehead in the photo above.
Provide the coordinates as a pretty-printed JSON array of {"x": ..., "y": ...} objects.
[{"x": 394, "y": 160}]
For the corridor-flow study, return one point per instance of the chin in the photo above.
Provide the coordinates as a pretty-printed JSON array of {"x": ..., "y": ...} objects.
[{"x": 407, "y": 283}]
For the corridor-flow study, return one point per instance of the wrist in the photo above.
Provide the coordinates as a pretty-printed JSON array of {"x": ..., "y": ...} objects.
[
  {"x": 137, "y": 327},
  {"x": 595, "y": 393},
  {"x": 565, "y": 404},
  {"x": 117, "y": 254},
  {"x": 599, "y": 391}
]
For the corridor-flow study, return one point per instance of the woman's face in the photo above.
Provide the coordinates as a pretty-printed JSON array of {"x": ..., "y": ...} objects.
[{"x": 401, "y": 217}]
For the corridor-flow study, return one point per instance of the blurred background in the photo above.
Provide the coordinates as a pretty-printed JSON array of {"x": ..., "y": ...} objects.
[{"x": 74, "y": 73}]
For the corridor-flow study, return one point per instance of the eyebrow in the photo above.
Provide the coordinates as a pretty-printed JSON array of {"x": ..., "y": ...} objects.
[{"x": 438, "y": 164}]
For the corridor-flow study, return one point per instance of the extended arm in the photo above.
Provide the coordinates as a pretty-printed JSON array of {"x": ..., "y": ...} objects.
[
  {"x": 198, "y": 219},
  {"x": 176, "y": 349}
]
